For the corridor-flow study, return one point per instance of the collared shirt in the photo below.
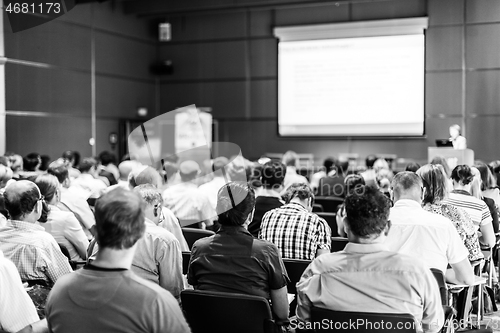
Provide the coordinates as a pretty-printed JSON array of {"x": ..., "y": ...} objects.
[
  {"x": 188, "y": 203},
  {"x": 66, "y": 230},
  {"x": 297, "y": 233},
  {"x": 90, "y": 184},
  {"x": 34, "y": 252},
  {"x": 73, "y": 200},
  {"x": 424, "y": 235},
  {"x": 16, "y": 308},
  {"x": 292, "y": 177},
  {"x": 476, "y": 208},
  {"x": 158, "y": 258},
  {"x": 234, "y": 261},
  {"x": 170, "y": 223},
  {"x": 367, "y": 277},
  {"x": 211, "y": 189}
]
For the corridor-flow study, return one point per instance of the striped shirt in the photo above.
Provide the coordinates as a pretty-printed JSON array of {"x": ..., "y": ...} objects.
[
  {"x": 16, "y": 308},
  {"x": 34, "y": 252},
  {"x": 476, "y": 208},
  {"x": 296, "y": 232}
]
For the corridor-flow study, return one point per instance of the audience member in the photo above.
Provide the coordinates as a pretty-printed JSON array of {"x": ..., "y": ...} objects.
[
  {"x": 44, "y": 165},
  {"x": 31, "y": 164},
  {"x": 366, "y": 276},
  {"x": 16, "y": 308},
  {"x": 106, "y": 296},
  {"x": 16, "y": 164},
  {"x": 107, "y": 168},
  {"x": 171, "y": 171},
  {"x": 476, "y": 191},
  {"x": 456, "y": 138},
  {"x": 495, "y": 170},
  {"x": 62, "y": 225},
  {"x": 186, "y": 201},
  {"x": 291, "y": 160},
  {"x": 328, "y": 165},
  {"x": 461, "y": 197},
  {"x": 72, "y": 199},
  {"x": 436, "y": 190},
  {"x": 351, "y": 183},
  {"x": 298, "y": 233},
  {"x": 158, "y": 256},
  {"x": 425, "y": 235},
  {"x": 489, "y": 187},
  {"x": 233, "y": 260},
  {"x": 442, "y": 161},
  {"x": 212, "y": 187},
  {"x": 89, "y": 178},
  {"x": 34, "y": 251},
  {"x": 5, "y": 177},
  {"x": 412, "y": 166},
  {"x": 71, "y": 159},
  {"x": 333, "y": 184},
  {"x": 272, "y": 177},
  {"x": 370, "y": 175}
]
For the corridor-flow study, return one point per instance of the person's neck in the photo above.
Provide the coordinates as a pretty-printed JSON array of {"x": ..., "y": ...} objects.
[
  {"x": 303, "y": 203},
  {"x": 409, "y": 197},
  {"x": 366, "y": 240},
  {"x": 113, "y": 258},
  {"x": 457, "y": 186}
]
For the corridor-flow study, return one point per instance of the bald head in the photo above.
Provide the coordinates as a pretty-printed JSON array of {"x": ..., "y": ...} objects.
[
  {"x": 407, "y": 185},
  {"x": 21, "y": 200},
  {"x": 125, "y": 168}
]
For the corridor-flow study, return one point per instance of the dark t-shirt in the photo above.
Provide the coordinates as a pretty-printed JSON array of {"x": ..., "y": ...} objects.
[
  {"x": 263, "y": 204},
  {"x": 234, "y": 261}
]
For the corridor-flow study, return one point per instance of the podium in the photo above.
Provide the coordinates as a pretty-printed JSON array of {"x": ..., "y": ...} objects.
[{"x": 453, "y": 156}]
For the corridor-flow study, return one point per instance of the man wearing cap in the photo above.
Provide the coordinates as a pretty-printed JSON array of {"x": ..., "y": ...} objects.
[
  {"x": 34, "y": 251},
  {"x": 186, "y": 201},
  {"x": 212, "y": 187}
]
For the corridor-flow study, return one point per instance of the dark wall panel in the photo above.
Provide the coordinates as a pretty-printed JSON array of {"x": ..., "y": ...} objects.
[
  {"x": 444, "y": 48},
  {"x": 103, "y": 129},
  {"x": 47, "y": 90},
  {"x": 48, "y": 135},
  {"x": 445, "y": 12},
  {"x": 264, "y": 96},
  {"x": 264, "y": 57},
  {"x": 482, "y": 46},
  {"x": 333, "y": 12},
  {"x": 482, "y": 92},
  {"x": 442, "y": 93},
  {"x": 378, "y": 10},
  {"x": 261, "y": 23},
  {"x": 485, "y": 146},
  {"x": 482, "y": 11}
]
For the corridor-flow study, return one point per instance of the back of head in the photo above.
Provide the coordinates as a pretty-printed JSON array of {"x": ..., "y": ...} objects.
[
  {"x": 32, "y": 161},
  {"x": 16, "y": 162},
  {"x": 342, "y": 165},
  {"x": 150, "y": 194},
  {"x": 273, "y": 175},
  {"x": 5, "y": 175},
  {"x": 107, "y": 158},
  {"x": 48, "y": 185},
  {"x": 44, "y": 165},
  {"x": 300, "y": 191},
  {"x": 59, "y": 169},
  {"x": 367, "y": 211},
  {"x": 370, "y": 160},
  {"x": 147, "y": 175},
  {"x": 488, "y": 180},
  {"x": 119, "y": 216},
  {"x": 407, "y": 185},
  {"x": 412, "y": 166},
  {"x": 188, "y": 170},
  {"x": 235, "y": 202},
  {"x": 329, "y": 164},
  {"x": 69, "y": 155},
  {"x": 441, "y": 160},
  {"x": 219, "y": 163},
  {"x": 87, "y": 164},
  {"x": 353, "y": 181},
  {"x": 125, "y": 168},
  {"x": 462, "y": 174},
  {"x": 290, "y": 158},
  {"x": 21, "y": 198},
  {"x": 435, "y": 183}
]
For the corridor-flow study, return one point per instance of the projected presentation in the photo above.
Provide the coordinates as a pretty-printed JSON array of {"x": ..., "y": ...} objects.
[{"x": 362, "y": 86}]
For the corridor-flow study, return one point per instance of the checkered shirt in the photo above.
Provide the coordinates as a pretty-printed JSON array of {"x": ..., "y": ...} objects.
[
  {"x": 34, "y": 251},
  {"x": 295, "y": 231}
]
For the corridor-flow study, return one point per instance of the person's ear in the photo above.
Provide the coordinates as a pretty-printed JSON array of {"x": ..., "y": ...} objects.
[
  {"x": 347, "y": 229},
  {"x": 424, "y": 192}
]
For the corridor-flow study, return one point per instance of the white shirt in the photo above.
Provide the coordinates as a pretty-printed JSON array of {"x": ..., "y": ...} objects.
[
  {"x": 424, "y": 235},
  {"x": 16, "y": 308},
  {"x": 292, "y": 177},
  {"x": 72, "y": 200},
  {"x": 90, "y": 184},
  {"x": 211, "y": 189}
]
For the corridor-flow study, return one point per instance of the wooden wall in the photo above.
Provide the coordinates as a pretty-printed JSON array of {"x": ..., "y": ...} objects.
[
  {"x": 228, "y": 61},
  {"x": 51, "y": 71}
]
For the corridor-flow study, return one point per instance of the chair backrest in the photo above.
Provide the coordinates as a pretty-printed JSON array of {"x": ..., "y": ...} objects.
[
  {"x": 317, "y": 208},
  {"x": 330, "y": 204},
  {"x": 192, "y": 235},
  {"x": 443, "y": 290},
  {"x": 185, "y": 261},
  {"x": 366, "y": 322},
  {"x": 295, "y": 268},
  {"x": 331, "y": 219},
  {"x": 338, "y": 244},
  {"x": 212, "y": 311}
]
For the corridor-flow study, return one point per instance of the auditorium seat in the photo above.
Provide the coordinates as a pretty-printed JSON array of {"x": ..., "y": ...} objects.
[
  {"x": 330, "y": 204},
  {"x": 331, "y": 219},
  {"x": 192, "y": 235},
  {"x": 338, "y": 244}
]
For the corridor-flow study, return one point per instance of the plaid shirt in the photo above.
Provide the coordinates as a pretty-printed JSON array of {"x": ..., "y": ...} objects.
[
  {"x": 34, "y": 251},
  {"x": 297, "y": 232}
]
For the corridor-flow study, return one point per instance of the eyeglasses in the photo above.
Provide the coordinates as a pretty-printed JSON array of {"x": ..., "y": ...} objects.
[{"x": 41, "y": 198}]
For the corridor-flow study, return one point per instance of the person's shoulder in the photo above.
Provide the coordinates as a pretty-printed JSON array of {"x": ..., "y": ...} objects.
[
  {"x": 264, "y": 246},
  {"x": 161, "y": 233},
  {"x": 146, "y": 287}
]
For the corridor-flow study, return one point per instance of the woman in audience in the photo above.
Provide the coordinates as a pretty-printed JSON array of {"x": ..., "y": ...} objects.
[
  {"x": 62, "y": 225},
  {"x": 489, "y": 184},
  {"x": 351, "y": 182},
  {"x": 476, "y": 191},
  {"x": 233, "y": 260},
  {"x": 436, "y": 189},
  {"x": 442, "y": 161},
  {"x": 461, "y": 197}
]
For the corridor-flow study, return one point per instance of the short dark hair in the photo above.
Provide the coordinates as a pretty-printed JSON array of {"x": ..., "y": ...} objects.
[
  {"x": 87, "y": 164},
  {"x": 298, "y": 190},
  {"x": 367, "y": 211},
  {"x": 353, "y": 181},
  {"x": 119, "y": 216},
  {"x": 370, "y": 160},
  {"x": 273, "y": 174},
  {"x": 59, "y": 169},
  {"x": 48, "y": 185},
  {"x": 106, "y": 158},
  {"x": 405, "y": 180},
  {"x": 18, "y": 203},
  {"x": 462, "y": 174},
  {"x": 434, "y": 181},
  {"x": 412, "y": 166},
  {"x": 235, "y": 201},
  {"x": 329, "y": 163},
  {"x": 31, "y": 161}
]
